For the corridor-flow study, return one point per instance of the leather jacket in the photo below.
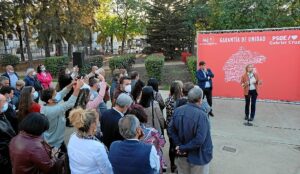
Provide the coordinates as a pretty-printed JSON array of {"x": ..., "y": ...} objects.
[
  {"x": 6, "y": 134},
  {"x": 11, "y": 116},
  {"x": 30, "y": 155}
]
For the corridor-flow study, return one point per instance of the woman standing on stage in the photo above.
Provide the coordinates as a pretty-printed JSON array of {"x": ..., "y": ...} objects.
[{"x": 250, "y": 82}]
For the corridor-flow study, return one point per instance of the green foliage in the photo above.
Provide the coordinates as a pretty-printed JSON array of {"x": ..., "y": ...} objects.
[
  {"x": 6, "y": 16},
  {"x": 92, "y": 61},
  {"x": 148, "y": 50},
  {"x": 192, "y": 67},
  {"x": 69, "y": 20},
  {"x": 248, "y": 14},
  {"x": 123, "y": 61},
  {"x": 154, "y": 66},
  {"x": 54, "y": 64},
  {"x": 166, "y": 30},
  {"x": 8, "y": 59},
  {"x": 120, "y": 19}
]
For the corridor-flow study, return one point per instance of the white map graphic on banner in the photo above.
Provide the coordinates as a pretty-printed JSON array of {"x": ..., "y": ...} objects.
[{"x": 235, "y": 65}]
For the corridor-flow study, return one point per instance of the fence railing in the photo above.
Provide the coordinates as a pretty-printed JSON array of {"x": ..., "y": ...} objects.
[{"x": 39, "y": 53}]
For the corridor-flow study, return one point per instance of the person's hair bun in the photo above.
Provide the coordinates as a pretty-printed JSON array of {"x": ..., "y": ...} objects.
[{"x": 77, "y": 117}]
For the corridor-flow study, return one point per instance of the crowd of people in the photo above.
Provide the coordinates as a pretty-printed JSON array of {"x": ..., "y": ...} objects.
[{"x": 128, "y": 138}]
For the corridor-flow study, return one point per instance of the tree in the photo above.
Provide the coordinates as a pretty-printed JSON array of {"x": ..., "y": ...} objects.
[
  {"x": 23, "y": 14},
  {"x": 130, "y": 17},
  {"x": 43, "y": 26},
  {"x": 121, "y": 19},
  {"x": 195, "y": 13},
  {"x": 166, "y": 30},
  {"x": 20, "y": 37},
  {"x": 6, "y": 24},
  {"x": 65, "y": 20},
  {"x": 249, "y": 14},
  {"x": 15, "y": 16}
]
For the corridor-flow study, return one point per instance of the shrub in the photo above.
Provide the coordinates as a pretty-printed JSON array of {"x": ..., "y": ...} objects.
[
  {"x": 192, "y": 67},
  {"x": 95, "y": 52},
  {"x": 172, "y": 54},
  {"x": 154, "y": 66},
  {"x": 148, "y": 50},
  {"x": 9, "y": 59},
  {"x": 54, "y": 64},
  {"x": 123, "y": 61},
  {"x": 92, "y": 61}
]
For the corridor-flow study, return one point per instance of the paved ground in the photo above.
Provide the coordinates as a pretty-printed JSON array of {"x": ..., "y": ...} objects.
[{"x": 271, "y": 146}]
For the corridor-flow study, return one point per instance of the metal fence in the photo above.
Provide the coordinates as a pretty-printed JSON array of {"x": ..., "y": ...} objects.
[{"x": 39, "y": 53}]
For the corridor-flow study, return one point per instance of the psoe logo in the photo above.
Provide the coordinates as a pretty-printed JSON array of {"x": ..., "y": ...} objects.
[
  {"x": 285, "y": 37},
  {"x": 293, "y": 39},
  {"x": 208, "y": 41}
]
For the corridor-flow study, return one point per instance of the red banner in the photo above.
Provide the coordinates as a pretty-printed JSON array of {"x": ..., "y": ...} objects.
[{"x": 274, "y": 54}]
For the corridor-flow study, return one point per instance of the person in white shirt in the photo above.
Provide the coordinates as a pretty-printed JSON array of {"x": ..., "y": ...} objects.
[{"x": 87, "y": 155}]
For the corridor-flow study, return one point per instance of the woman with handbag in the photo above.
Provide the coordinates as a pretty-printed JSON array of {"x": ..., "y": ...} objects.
[
  {"x": 157, "y": 96},
  {"x": 152, "y": 109},
  {"x": 35, "y": 155},
  {"x": 87, "y": 155}
]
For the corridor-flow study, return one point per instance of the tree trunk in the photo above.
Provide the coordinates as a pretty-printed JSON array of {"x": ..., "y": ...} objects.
[
  {"x": 27, "y": 42},
  {"x": 47, "y": 49},
  {"x": 192, "y": 46},
  {"x": 70, "y": 50},
  {"x": 70, "y": 46},
  {"x": 19, "y": 31},
  {"x": 112, "y": 44},
  {"x": 124, "y": 35},
  {"x": 85, "y": 49},
  {"x": 5, "y": 47},
  {"x": 58, "y": 46},
  {"x": 91, "y": 41},
  {"x": 58, "y": 40}
]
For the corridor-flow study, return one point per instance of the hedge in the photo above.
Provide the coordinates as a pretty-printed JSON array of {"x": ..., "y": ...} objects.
[
  {"x": 123, "y": 61},
  {"x": 92, "y": 61},
  {"x": 192, "y": 67},
  {"x": 9, "y": 59},
  {"x": 154, "y": 66},
  {"x": 54, "y": 64},
  {"x": 148, "y": 50}
]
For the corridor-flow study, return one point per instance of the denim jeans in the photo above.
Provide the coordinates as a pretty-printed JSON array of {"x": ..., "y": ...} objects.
[{"x": 252, "y": 96}]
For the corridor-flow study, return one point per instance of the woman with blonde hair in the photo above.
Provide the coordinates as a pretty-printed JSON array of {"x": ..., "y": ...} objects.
[
  {"x": 86, "y": 153},
  {"x": 250, "y": 82}
]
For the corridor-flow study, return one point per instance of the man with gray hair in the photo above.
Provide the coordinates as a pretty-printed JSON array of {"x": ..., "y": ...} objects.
[
  {"x": 132, "y": 156},
  {"x": 11, "y": 75},
  {"x": 4, "y": 81},
  {"x": 110, "y": 118},
  {"x": 190, "y": 131}
]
